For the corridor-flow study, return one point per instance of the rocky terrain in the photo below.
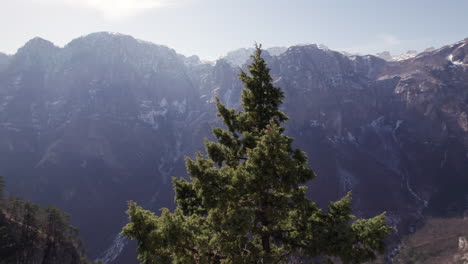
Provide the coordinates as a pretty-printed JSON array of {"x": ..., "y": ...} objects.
[
  {"x": 109, "y": 118},
  {"x": 438, "y": 241}
]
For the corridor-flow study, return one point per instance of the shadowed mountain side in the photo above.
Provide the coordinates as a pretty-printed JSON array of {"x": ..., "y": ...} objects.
[{"x": 109, "y": 118}]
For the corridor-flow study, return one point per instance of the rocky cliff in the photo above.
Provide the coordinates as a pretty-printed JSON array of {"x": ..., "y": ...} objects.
[{"x": 109, "y": 118}]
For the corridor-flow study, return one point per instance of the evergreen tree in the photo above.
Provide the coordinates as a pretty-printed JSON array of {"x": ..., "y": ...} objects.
[
  {"x": 29, "y": 231},
  {"x": 31, "y": 234},
  {"x": 246, "y": 200},
  {"x": 56, "y": 228}
]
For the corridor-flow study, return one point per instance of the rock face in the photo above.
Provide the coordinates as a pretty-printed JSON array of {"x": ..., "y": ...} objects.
[
  {"x": 4, "y": 61},
  {"x": 404, "y": 121},
  {"x": 104, "y": 120},
  {"x": 239, "y": 57},
  {"x": 404, "y": 56},
  {"x": 108, "y": 118}
]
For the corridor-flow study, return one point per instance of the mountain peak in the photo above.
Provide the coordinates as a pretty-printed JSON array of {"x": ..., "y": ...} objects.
[
  {"x": 39, "y": 40},
  {"x": 101, "y": 37},
  {"x": 107, "y": 34},
  {"x": 109, "y": 41},
  {"x": 239, "y": 57},
  {"x": 386, "y": 55},
  {"x": 39, "y": 44},
  {"x": 36, "y": 51},
  {"x": 309, "y": 48}
]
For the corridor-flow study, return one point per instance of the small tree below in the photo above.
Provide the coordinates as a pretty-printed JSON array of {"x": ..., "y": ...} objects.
[{"x": 246, "y": 200}]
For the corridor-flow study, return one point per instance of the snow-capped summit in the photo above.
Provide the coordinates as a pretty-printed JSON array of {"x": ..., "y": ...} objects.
[
  {"x": 404, "y": 56},
  {"x": 407, "y": 55}
]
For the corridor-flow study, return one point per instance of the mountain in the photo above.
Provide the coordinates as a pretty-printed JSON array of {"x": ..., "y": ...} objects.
[
  {"x": 404, "y": 56},
  {"x": 393, "y": 132},
  {"x": 108, "y": 118},
  {"x": 4, "y": 61},
  {"x": 385, "y": 55},
  {"x": 239, "y": 57},
  {"x": 73, "y": 134}
]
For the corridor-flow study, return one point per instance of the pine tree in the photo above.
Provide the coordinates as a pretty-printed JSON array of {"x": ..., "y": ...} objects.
[
  {"x": 56, "y": 231},
  {"x": 246, "y": 200},
  {"x": 29, "y": 231},
  {"x": 31, "y": 234}
]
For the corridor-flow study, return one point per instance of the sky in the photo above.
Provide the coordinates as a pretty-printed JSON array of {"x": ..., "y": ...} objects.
[{"x": 211, "y": 28}]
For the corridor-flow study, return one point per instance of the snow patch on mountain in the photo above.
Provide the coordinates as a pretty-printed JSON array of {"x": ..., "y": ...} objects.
[
  {"x": 180, "y": 107},
  {"x": 404, "y": 56},
  {"x": 114, "y": 250},
  {"x": 346, "y": 179},
  {"x": 454, "y": 62},
  {"x": 150, "y": 115}
]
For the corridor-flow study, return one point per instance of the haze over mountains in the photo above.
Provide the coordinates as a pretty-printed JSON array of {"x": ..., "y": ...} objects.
[{"x": 108, "y": 118}]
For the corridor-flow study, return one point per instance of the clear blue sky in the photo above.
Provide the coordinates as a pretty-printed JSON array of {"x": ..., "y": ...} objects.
[{"x": 210, "y": 28}]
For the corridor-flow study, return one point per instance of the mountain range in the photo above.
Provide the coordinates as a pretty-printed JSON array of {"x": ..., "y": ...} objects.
[{"x": 109, "y": 118}]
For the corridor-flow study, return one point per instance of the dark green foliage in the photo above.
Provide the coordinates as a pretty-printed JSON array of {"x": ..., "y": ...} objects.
[
  {"x": 30, "y": 234},
  {"x": 246, "y": 200},
  {"x": 57, "y": 231}
]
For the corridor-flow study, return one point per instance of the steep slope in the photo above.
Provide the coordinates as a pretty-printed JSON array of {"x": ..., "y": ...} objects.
[
  {"x": 4, "y": 61},
  {"x": 392, "y": 132},
  {"x": 95, "y": 124},
  {"x": 108, "y": 118},
  {"x": 30, "y": 234},
  {"x": 408, "y": 117},
  {"x": 442, "y": 240},
  {"x": 239, "y": 57},
  {"x": 323, "y": 86}
]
